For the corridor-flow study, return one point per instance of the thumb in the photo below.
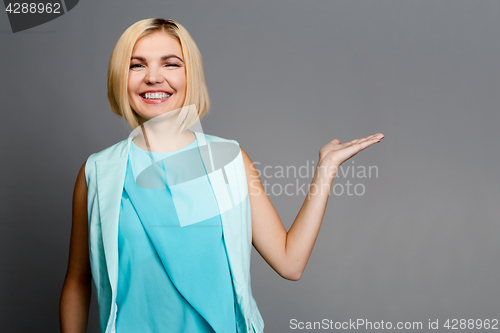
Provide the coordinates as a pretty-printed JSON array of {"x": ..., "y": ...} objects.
[{"x": 335, "y": 141}]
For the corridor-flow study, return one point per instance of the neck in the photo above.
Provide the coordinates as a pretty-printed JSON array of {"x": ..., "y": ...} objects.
[{"x": 163, "y": 136}]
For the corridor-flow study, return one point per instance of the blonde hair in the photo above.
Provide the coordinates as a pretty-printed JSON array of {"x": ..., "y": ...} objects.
[{"x": 119, "y": 64}]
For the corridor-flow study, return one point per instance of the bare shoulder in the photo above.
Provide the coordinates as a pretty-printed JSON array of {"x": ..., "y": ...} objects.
[
  {"x": 255, "y": 188},
  {"x": 249, "y": 165},
  {"x": 80, "y": 197},
  {"x": 79, "y": 264},
  {"x": 246, "y": 158},
  {"x": 81, "y": 183}
]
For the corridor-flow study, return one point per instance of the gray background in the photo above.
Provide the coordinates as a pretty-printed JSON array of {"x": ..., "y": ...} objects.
[{"x": 285, "y": 77}]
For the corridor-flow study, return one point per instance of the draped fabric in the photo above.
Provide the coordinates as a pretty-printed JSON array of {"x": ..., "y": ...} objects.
[{"x": 173, "y": 269}]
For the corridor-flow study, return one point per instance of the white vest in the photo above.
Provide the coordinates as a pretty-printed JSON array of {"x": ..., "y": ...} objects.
[{"x": 105, "y": 175}]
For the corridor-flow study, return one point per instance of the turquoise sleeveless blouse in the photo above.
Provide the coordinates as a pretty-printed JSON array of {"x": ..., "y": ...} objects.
[{"x": 173, "y": 269}]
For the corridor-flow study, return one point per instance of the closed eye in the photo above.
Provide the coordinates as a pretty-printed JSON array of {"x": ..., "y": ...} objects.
[{"x": 140, "y": 65}]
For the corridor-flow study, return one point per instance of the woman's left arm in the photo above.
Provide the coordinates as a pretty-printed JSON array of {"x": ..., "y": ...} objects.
[{"x": 288, "y": 252}]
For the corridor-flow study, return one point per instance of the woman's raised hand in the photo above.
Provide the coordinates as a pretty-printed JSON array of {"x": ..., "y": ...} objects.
[{"x": 334, "y": 153}]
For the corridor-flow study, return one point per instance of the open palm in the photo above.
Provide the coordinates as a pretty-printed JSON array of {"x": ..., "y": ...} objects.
[{"x": 335, "y": 153}]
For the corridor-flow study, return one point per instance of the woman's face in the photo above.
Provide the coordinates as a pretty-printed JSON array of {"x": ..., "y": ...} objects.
[{"x": 157, "y": 76}]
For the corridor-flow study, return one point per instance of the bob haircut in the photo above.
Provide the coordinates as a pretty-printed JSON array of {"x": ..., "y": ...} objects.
[{"x": 119, "y": 64}]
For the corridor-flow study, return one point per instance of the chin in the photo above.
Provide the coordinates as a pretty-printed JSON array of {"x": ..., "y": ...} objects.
[{"x": 162, "y": 115}]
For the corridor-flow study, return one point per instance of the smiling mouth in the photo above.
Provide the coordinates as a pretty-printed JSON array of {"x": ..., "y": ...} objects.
[{"x": 155, "y": 95}]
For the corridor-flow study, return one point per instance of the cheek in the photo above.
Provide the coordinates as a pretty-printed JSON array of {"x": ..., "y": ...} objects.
[
  {"x": 131, "y": 95},
  {"x": 178, "y": 82},
  {"x": 134, "y": 82},
  {"x": 132, "y": 91}
]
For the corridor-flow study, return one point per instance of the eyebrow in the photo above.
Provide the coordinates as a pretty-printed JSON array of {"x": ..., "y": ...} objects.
[{"x": 165, "y": 57}]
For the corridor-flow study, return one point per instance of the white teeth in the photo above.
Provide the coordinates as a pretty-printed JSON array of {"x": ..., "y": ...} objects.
[{"x": 156, "y": 95}]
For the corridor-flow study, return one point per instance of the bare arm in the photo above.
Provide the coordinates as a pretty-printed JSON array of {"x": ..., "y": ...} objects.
[
  {"x": 288, "y": 252},
  {"x": 77, "y": 287}
]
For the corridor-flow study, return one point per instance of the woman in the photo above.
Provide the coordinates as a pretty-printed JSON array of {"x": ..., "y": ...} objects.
[{"x": 163, "y": 222}]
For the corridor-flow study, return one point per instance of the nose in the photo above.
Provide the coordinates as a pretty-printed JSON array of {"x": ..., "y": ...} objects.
[{"x": 154, "y": 76}]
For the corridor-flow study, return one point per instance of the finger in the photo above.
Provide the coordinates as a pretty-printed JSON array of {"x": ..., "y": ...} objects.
[
  {"x": 369, "y": 138},
  {"x": 378, "y": 136},
  {"x": 335, "y": 141},
  {"x": 373, "y": 136},
  {"x": 363, "y": 138},
  {"x": 354, "y": 148},
  {"x": 367, "y": 143},
  {"x": 350, "y": 143}
]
